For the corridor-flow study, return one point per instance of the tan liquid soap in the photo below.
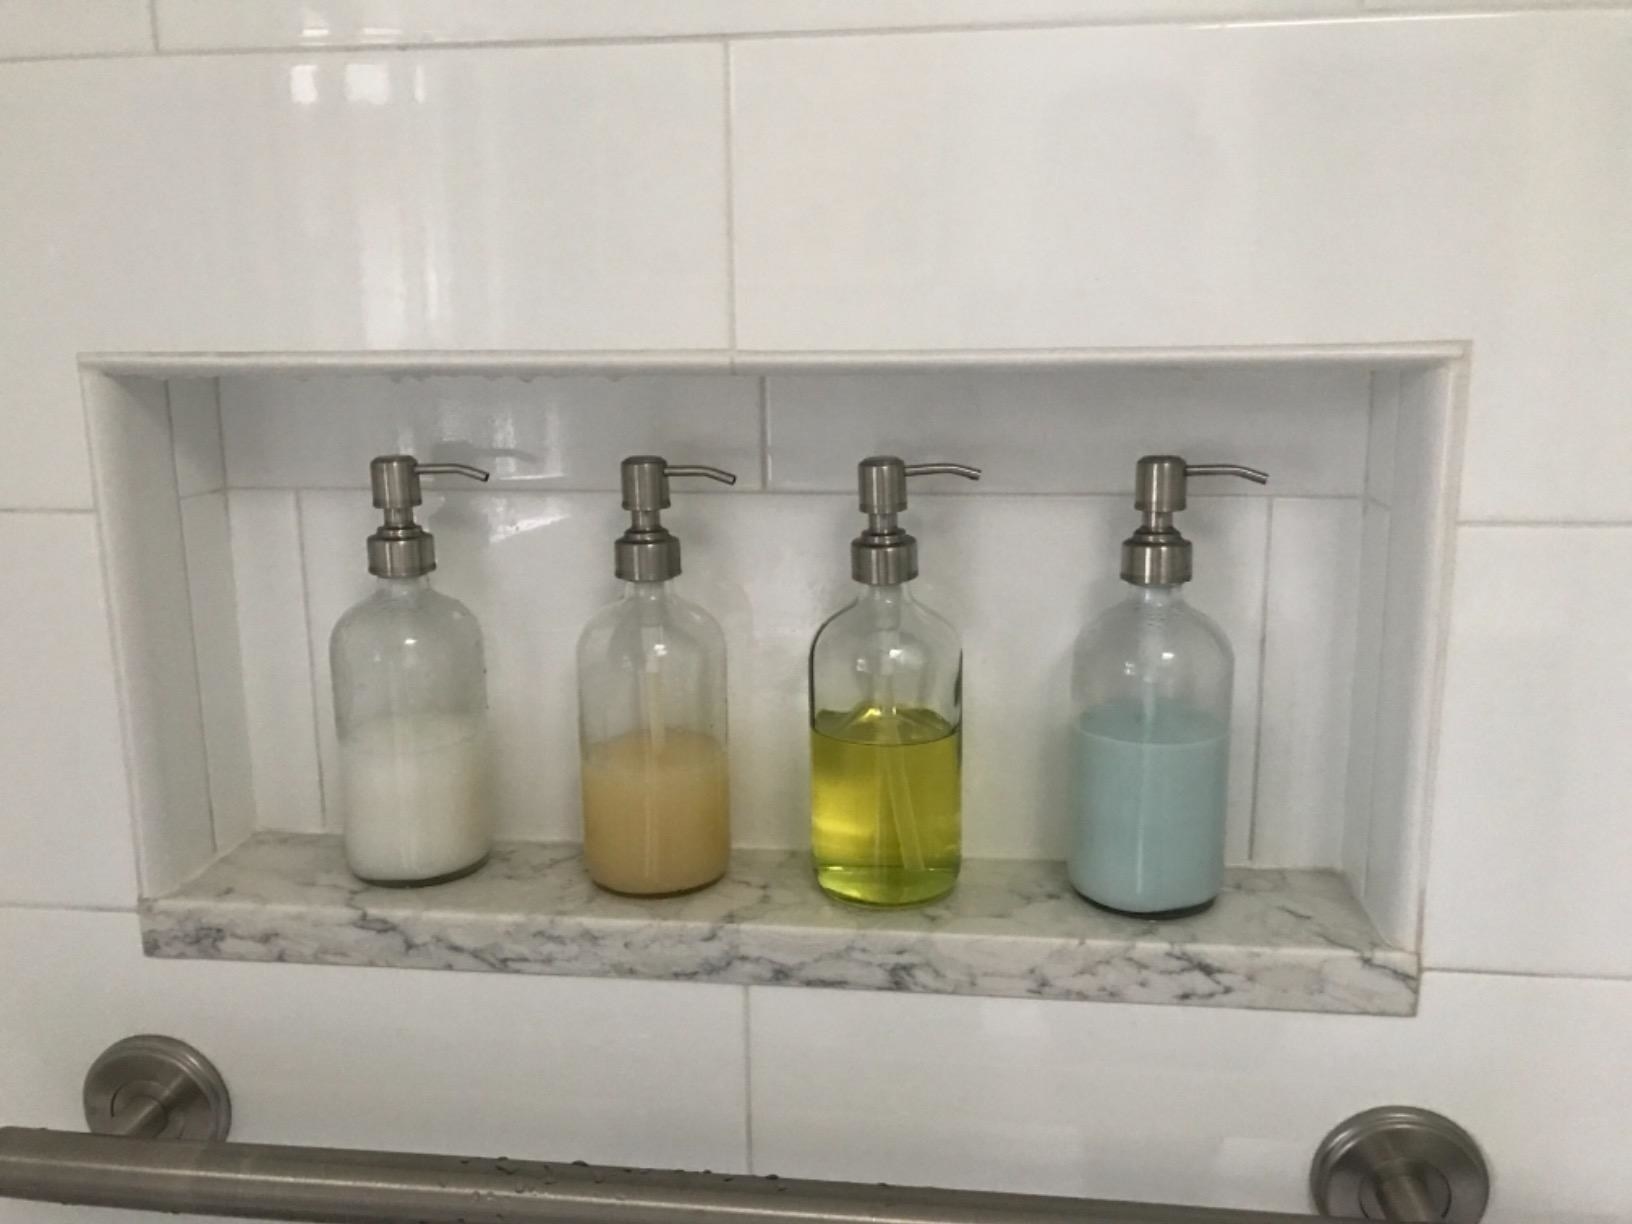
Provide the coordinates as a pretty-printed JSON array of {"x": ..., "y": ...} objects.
[
  {"x": 657, "y": 812},
  {"x": 652, "y": 713}
]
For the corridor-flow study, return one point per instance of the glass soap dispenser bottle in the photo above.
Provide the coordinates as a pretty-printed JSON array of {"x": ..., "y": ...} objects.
[
  {"x": 410, "y": 704},
  {"x": 652, "y": 712},
  {"x": 1151, "y": 685},
  {"x": 886, "y": 717}
]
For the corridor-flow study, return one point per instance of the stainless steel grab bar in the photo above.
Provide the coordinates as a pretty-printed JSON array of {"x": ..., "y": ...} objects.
[
  {"x": 345, "y": 1187},
  {"x": 1391, "y": 1164}
]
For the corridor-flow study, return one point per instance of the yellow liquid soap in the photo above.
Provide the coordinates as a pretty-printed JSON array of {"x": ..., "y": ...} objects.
[
  {"x": 656, "y": 812},
  {"x": 886, "y": 804}
]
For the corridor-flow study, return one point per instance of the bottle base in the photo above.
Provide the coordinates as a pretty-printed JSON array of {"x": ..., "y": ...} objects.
[
  {"x": 1183, "y": 911},
  {"x": 446, "y": 878},
  {"x": 886, "y": 888},
  {"x": 657, "y": 896}
]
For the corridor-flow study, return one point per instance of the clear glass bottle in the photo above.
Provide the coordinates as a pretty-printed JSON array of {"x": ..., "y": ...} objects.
[
  {"x": 652, "y": 713},
  {"x": 886, "y": 719},
  {"x": 1151, "y": 682},
  {"x": 410, "y": 705}
]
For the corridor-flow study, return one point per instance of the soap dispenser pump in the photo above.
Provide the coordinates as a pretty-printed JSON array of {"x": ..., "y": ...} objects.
[
  {"x": 410, "y": 704},
  {"x": 1151, "y": 682},
  {"x": 886, "y": 717},
  {"x": 652, "y": 711}
]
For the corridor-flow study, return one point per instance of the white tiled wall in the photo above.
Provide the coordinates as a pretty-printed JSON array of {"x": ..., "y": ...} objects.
[{"x": 1450, "y": 182}]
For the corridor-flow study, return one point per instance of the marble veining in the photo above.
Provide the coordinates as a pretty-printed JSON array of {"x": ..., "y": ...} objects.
[{"x": 1284, "y": 940}]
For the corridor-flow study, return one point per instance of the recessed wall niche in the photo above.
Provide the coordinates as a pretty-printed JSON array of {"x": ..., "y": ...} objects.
[{"x": 233, "y": 506}]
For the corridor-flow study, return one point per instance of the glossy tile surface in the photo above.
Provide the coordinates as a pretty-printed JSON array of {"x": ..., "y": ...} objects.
[
  {"x": 1173, "y": 1105},
  {"x": 195, "y": 428},
  {"x": 547, "y": 432},
  {"x": 559, "y": 1069},
  {"x": 35, "y": 29},
  {"x": 155, "y": 649},
  {"x": 564, "y": 199},
  {"x": 276, "y": 657},
  {"x": 205, "y": 24},
  {"x": 1311, "y": 611},
  {"x": 1531, "y": 843},
  {"x": 1252, "y": 185},
  {"x": 65, "y": 822},
  {"x": 213, "y": 598},
  {"x": 1076, "y": 432}
]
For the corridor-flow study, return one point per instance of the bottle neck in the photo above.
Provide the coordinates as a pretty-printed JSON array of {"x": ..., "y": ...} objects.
[
  {"x": 1158, "y": 597},
  {"x": 646, "y": 592},
  {"x": 891, "y": 595},
  {"x": 402, "y": 588}
]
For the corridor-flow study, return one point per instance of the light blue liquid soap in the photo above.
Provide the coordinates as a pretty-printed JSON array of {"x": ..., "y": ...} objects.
[{"x": 1151, "y": 682}]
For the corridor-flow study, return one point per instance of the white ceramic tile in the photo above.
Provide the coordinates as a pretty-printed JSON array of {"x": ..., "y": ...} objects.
[
  {"x": 1176, "y": 1105},
  {"x": 1382, "y": 427},
  {"x": 548, "y": 432},
  {"x": 1531, "y": 845},
  {"x": 277, "y": 660},
  {"x": 1312, "y": 605},
  {"x": 66, "y": 822},
  {"x": 157, "y": 668},
  {"x": 195, "y": 427},
  {"x": 1106, "y": 188},
  {"x": 644, "y": 1073},
  {"x": 208, "y": 24},
  {"x": 214, "y": 602},
  {"x": 1360, "y": 778},
  {"x": 1415, "y": 600},
  {"x": 534, "y": 199},
  {"x": 1075, "y": 431},
  {"x": 38, "y": 28}
]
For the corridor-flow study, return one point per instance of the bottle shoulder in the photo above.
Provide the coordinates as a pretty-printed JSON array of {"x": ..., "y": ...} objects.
[
  {"x": 628, "y": 625},
  {"x": 1130, "y": 627},
  {"x": 424, "y": 611},
  {"x": 918, "y": 628}
]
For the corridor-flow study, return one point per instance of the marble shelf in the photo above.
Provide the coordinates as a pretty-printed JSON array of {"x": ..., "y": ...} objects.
[{"x": 1283, "y": 940}]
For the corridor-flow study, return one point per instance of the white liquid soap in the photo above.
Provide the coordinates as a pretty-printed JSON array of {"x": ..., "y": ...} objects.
[{"x": 415, "y": 789}]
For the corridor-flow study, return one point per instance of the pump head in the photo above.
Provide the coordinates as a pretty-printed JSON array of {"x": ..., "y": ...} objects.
[
  {"x": 647, "y": 552},
  {"x": 884, "y": 554},
  {"x": 401, "y": 548},
  {"x": 1157, "y": 554}
]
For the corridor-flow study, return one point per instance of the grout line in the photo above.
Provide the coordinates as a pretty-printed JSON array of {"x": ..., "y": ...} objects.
[
  {"x": 730, "y": 208},
  {"x": 765, "y": 434},
  {"x": 1263, "y": 668},
  {"x": 153, "y": 24},
  {"x": 748, "y": 1075},
  {"x": 22, "y": 511},
  {"x": 311, "y": 663}
]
